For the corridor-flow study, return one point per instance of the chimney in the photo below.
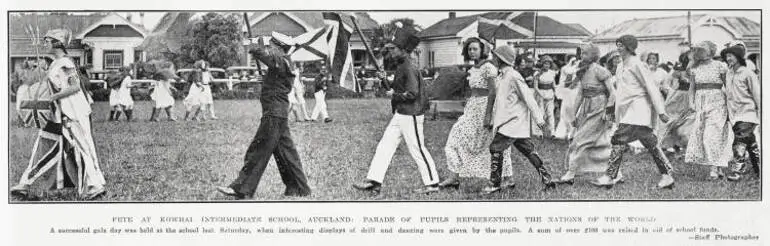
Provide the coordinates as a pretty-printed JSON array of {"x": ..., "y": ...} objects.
[
  {"x": 141, "y": 19},
  {"x": 452, "y": 15}
]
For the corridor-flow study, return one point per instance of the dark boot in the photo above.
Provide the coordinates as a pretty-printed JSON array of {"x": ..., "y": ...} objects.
[
  {"x": 117, "y": 115},
  {"x": 755, "y": 157},
  {"x": 526, "y": 148},
  {"x": 616, "y": 158},
  {"x": 496, "y": 173},
  {"x": 129, "y": 115},
  {"x": 154, "y": 115},
  {"x": 112, "y": 115},
  {"x": 168, "y": 113}
]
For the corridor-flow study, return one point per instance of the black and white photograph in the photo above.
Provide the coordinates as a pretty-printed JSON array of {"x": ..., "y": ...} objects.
[{"x": 500, "y": 105}]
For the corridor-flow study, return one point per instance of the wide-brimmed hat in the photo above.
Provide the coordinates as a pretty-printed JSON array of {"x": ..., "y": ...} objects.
[
  {"x": 506, "y": 54},
  {"x": 737, "y": 51}
]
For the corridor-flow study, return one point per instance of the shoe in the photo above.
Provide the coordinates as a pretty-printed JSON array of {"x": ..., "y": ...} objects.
[
  {"x": 95, "y": 193},
  {"x": 327, "y": 120},
  {"x": 666, "y": 182},
  {"x": 230, "y": 192},
  {"x": 716, "y": 174},
  {"x": 489, "y": 189},
  {"x": 20, "y": 190},
  {"x": 451, "y": 185},
  {"x": 549, "y": 186},
  {"x": 604, "y": 181},
  {"x": 172, "y": 119},
  {"x": 371, "y": 186},
  {"x": 734, "y": 177},
  {"x": 568, "y": 178},
  {"x": 427, "y": 189},
  {"x": 619, "y": 179}
]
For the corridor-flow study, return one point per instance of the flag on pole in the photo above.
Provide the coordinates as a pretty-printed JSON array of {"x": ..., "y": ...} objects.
[
  {"x": 339, "y": 55},
  {"x": 310, "y": 46}
]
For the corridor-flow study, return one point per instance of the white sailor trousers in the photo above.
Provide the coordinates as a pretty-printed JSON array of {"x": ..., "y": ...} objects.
[{"x": 407, "y": 128}]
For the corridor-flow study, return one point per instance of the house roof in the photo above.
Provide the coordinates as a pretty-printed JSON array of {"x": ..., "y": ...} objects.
[
  {"x": 580, "y": 28},
  {"x": 546, "y": 26},
  {"x": 675, "y": 26},
  {"x": 315, "y": 19},
  {"x": 168, "y": 34},
  {"x": 21, "y": 43}
]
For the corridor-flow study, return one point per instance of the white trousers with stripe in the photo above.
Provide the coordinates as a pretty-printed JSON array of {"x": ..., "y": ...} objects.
[
  {"x": 320, "y": 106},
  {"x": 409, "y": 128}
]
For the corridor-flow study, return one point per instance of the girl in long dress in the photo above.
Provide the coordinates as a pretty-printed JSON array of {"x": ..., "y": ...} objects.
[
  {"x": 467, "y": 147},
  {"x": 125, "y": 100},
  {"x": 80, "y": 150},
  {"x": 545, "y": 79},
  {"x": 589, "y": 150},
  {"x": 162, "y": 96},
  {"x": 567, "y": 93},
  {"x": 674, "y": 135},
  {"x": 711, "y": 140}
]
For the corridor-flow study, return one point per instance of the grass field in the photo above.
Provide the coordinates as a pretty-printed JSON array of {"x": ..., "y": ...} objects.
[{"x": 185, "y": 161}]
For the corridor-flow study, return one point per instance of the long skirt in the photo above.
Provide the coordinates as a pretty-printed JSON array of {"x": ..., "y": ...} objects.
[
  {"x": 589, "y": 150},
  {"x": 207, "y": 97},
  {"x": 564, "y": 129},
  {"x": 467, "y": 147},
  {"x": 711, "y": 139},
  {"x": 677, "y": 130}
]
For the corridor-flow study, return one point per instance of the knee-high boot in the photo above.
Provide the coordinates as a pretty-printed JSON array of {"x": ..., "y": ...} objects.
[{"x": 755, "y": 157}]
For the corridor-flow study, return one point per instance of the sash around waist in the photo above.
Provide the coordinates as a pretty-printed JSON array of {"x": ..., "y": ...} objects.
[
  {"x": 683, "y": 86},
  {"x": 545, "y": 86},
  {"x": 593, "y": 92},
  {"x": 708, "y": 86}
]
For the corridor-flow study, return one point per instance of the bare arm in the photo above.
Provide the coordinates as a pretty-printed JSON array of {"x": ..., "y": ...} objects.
[
  {"x": 72, "y": 88},
  {"x": 491, "y": 78}
]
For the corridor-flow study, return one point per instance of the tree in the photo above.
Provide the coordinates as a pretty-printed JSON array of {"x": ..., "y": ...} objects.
[
  {"x": 216, "y": 38},
  {"x": 385, "y": 32}
]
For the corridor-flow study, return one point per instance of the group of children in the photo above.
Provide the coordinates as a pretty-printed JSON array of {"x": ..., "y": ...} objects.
[{"x": 199, "y": 98}]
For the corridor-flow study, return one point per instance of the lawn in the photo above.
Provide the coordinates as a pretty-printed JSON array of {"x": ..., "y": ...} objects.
[{"x": 185, "y": 161}]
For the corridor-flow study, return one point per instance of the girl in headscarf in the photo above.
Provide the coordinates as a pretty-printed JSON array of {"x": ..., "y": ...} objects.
[
  {"x": 467, "y": 147},
  {"x": 566, "y": 92},
  {"x": 590, "y": 147},
  {"x": 545, "y": 80},
  {"x": 711, "y": 139},
  {"x": 674, "y": 134}
]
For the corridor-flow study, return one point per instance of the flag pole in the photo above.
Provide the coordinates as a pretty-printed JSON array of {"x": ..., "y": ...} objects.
[
  {"x": 248, "y": 30},
  {"x": 369, "y": 50},
  {"x": 534, "y": 35},
  {"x": 689, "y": 28}
]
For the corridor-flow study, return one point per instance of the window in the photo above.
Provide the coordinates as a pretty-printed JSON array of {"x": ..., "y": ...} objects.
[
  {"x": 113, "y": 59},
  {"x": 76, "y": 60},
  {"x": 137, "y": 56},
  {"x": 89, "y": 57}
]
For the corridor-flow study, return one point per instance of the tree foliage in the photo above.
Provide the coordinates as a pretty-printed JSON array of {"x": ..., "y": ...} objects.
[{"x": 215, "y": 38}]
